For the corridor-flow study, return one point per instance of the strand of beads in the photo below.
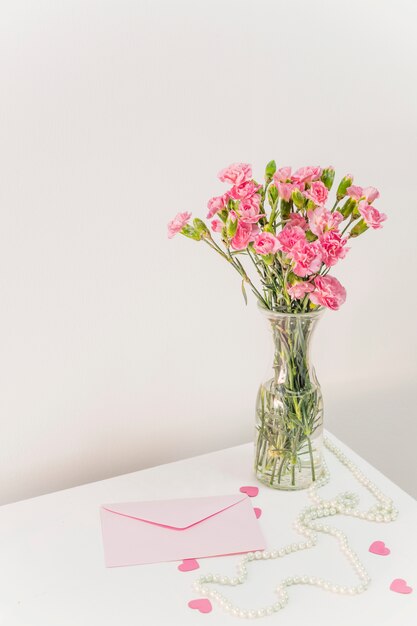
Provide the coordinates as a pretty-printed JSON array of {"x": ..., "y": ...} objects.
[{"x": 309, "y": 524}]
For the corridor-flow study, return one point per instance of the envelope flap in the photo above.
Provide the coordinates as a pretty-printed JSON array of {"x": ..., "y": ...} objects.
[{"x": 179, "y": 514}]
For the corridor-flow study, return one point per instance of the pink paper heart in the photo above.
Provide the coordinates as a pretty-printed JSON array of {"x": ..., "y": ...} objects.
[
  {"x": 379, "y": 547},
  {"x": 399, "y": 585},
  {"x": 201, "y": 604},
  {"x": 250, "y": 491},
  {"x": 258, "y": 512},
  {"x": 188, "y": 565}
]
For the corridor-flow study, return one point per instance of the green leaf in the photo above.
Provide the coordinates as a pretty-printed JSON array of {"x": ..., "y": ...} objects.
[
  {"x": 270, "y": 170},
  {"x": 245, "y": 297}
]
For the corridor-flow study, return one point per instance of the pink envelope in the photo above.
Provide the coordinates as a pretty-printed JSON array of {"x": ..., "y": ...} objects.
[{"x": 172, "y": 530}]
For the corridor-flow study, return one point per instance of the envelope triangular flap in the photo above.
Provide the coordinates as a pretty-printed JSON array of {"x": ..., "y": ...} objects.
[{"x": 179, "y": 514}]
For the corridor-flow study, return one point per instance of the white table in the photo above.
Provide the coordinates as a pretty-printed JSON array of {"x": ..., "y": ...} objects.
[{"x": 52, "y": 571}]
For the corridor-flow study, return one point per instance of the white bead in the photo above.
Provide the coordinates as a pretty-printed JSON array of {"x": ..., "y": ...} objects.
[{"x": 344, "y": 503}]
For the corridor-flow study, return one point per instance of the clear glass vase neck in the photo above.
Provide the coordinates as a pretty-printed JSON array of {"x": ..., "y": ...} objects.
[{"x": 291, "y": 334}]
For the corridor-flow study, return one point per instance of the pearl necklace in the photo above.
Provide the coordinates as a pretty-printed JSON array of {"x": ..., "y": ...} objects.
[{"x": 307, "y": 525}]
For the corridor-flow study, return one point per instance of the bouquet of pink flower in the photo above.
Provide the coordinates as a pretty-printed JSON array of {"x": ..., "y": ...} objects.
[{"x": 295, "y": 241}]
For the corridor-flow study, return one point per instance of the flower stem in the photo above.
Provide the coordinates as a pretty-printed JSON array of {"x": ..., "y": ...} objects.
[{"x": 310, "y": 452}]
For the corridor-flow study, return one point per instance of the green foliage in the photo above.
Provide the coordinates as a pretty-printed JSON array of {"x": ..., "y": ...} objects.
[
  {"x": 327, "y": 177},
  {"x": 272, "y": 196},
  {"x": 245, "y": 297},
  {"x": 298, "y": 198},
  {"x": 348, "y": 207},
  {"x": 268, "y": 259},
  {"x": 270, "y": 170},
  {"x": 200, "y": 227},
  {"x": 343, "y": 185},
  {"x": 231, "y": 226},
  {"x": 285, "y": 209},
  {"x": 311, "y": 236},
  {"x": 191, "y": 232},
  {"x": 359, "y": 228}
]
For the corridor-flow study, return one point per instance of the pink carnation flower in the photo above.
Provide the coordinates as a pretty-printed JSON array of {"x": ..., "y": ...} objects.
[
  {"x": 249, "y": 209},
  {"x": 296, "y": 219},
  {"x": 236, "y": 174},
  {"x": 177, "y": 224},
  {"x": 289, "y": 236},
  {"x": 355, "y": 192},
  {"x": 307, "y": 174},
  {"x": 371, "y": 194},
  {"x": 299, "y": 290},
  {"x": 217, "y": 226},
  {"x": 245, "y": 233},
  {"x": 328, "y": 292},
  {"x": 306, "y": 257},
  {"x": 216, "y": 204},
  {"x": 317, "y": 193},
  {"x": 245, "y": 190},
  {"x": 332, "y": 247},
  {"x": 266, "y": 243},
  {"x": 320, "y": 220},
  {"x": 285, "y": 189},
  {"x": 371, "y": 215},
  {"x": 282, "y": 175}
]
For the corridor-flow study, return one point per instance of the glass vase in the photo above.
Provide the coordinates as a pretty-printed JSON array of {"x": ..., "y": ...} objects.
[{"x": 289, "y": 407}]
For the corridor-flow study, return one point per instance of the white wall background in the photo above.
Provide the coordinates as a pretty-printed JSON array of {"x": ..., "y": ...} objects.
[{"x": 120, "y": 349}]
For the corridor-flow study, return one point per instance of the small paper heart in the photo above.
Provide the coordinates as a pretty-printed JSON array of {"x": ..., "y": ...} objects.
[
  {"x": 258, "y": 512},
  {"x": 250, "y": 491},
  {"x": 188, "y": 565},
  {"x": 379, "y": 547},
  {"x": 201, "y": 604},
  {"x": 399, "y": 585}
]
